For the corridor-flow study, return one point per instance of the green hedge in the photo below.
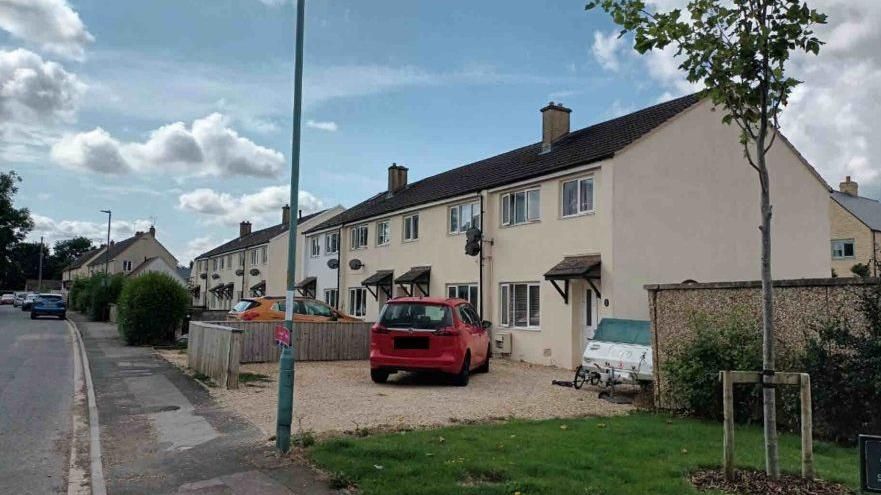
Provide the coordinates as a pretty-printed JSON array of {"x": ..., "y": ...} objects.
[
  {"x": 94, "y": 295},
  {"x": 151, "y": 307}
]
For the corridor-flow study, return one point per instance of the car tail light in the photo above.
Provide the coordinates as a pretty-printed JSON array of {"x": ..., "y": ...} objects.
[
  {"x": 249, "y": 315},
  {"x": 377, "y": 328},
  {"x": 446, "y": 331}
]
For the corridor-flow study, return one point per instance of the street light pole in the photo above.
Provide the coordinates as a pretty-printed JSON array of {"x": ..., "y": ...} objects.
[
  {"x": 40, "y": 269},
  {"x": 286, "y": 362},
  {"x": 107, "y": 246}
]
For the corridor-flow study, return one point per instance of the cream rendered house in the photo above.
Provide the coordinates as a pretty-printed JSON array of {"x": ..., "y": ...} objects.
[
  {"x": 253, "y": 264},
  {"x": 856, "y": 224},
  {"x": 79, "y": 267},
  {"x": 125, "y": 255},
  {"x": 576, "y": 224}
]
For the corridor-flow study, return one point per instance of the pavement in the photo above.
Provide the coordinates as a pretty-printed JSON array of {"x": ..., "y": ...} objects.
[
  {"x": 36, "y": 400},
  {"x": 162, "y": 433}
]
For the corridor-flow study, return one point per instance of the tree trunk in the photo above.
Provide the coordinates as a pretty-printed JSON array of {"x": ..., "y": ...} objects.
[{"x": 772, "y": 465}]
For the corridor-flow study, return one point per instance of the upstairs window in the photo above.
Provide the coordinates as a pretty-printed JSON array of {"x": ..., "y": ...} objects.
[
  {"x": 331, "y": 243},
  {"x": 577, "y": 197},
  {"x": 126, "y": 266},
  {"x": 843, "y": 249},
  {"x": 314, "y": 247},
  {"x": 463, "y": 217},
  {"x": 214, "y": 265},
  {"x": 263, "y": 255},
  {"x": 411, "y": 228},
  {"x": 521, "y": 207},
  {"x": 383, "y": 233},
  {"x": 359, "y": 236},
  {"x": 221, "y": 262},
  {"x": 254, "y": 257},
  {"x": 242, "y": 258}
]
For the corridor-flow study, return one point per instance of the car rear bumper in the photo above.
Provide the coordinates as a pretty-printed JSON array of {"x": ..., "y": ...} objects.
[
  {"x": 446, "y": 362},
  {"x": 48, "y": 311}
]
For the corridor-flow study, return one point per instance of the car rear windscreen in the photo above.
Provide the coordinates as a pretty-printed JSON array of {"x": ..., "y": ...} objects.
[
  {"x": 50, "y": 298},
  {"x": 415, "y": 315},
  {"x": 243, "y": 306}
]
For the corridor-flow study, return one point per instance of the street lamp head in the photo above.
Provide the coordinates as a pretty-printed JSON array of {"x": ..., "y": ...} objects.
[{"x": 105, "y": 211}]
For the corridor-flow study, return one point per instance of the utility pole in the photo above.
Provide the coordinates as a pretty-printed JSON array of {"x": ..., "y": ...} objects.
[
  {"x": 40, "y": 269},
  {"x": 285, "y": 410},
  {"x": 107, "y": 246}
]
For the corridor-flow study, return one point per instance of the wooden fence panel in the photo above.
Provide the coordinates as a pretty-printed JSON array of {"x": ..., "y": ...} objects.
[
  {"x": 325, "y": 341},
  {"x": 215, "y": 351}
]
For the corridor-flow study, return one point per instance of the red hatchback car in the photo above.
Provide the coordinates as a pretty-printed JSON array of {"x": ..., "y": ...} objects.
[{"x": 429, "y": 334}]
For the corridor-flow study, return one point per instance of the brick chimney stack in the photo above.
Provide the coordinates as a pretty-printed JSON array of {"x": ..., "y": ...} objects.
[
  {"x": 244, "y": 228},
  {"x": 152, "y": 231},
  {"x": 849, "y": 187},
  {"x": 286, "y": 214},
  {"x": 397, "y": 178},
  {"x": 554, "y": 124}
]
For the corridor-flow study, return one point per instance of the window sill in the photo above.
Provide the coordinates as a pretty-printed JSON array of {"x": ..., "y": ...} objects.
[
  {"x": 524, "y": 329},
  {"x": 844, "y": 258},
  {"x": 576, "y": 215},
  {"x": 358, "y": 248},
  {"x": 519, "y": 224},
  {"x": 383, "y": 245},
  {"x": 410, "y": 240}
]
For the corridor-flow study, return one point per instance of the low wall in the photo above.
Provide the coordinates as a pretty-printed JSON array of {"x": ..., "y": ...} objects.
[
  {"x": 214, "y": 351},
  {"x": 325, "y": 341},
  {"x": 798, "y": 306},
  {"x": 114, "y": 313}
]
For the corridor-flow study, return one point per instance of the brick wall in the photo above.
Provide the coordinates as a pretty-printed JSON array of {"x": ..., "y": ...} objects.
[{"x": 798, "y": 306}]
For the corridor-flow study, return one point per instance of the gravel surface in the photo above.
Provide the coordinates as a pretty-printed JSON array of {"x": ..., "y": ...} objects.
[{"x": 338, "y": 396}]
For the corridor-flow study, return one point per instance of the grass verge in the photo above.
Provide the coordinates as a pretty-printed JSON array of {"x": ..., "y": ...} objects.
[{"x": 636, "y": 454}]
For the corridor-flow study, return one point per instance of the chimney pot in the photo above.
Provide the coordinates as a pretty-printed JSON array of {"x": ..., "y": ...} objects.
[
  {"x": 554, "y": 124},
  {"x": 397, "y": 178},
  {"x": 849, "y": 187},
  {"x": 286, "y": 214},
  {"x": 299, "y": 213},
  {"x": 244, "y": 228},
  {"x": 152, "y": 231}
]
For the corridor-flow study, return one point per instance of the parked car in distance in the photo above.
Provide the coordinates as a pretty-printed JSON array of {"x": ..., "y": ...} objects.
[
  {"x": 7, "y": 299},
  {"x": 429, "y": 334},
  {"x": 272, "y": 308},
  {"x": 48, "y": 305},
  {"x": 19, "y": 299},
  {"x": 28, "y": 301}
]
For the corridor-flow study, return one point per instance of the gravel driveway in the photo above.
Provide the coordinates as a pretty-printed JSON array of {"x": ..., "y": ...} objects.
[{"x": 338, "y": 396}]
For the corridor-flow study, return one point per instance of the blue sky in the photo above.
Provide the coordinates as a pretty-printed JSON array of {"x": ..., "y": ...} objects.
[{"x": 179, "y": 111}]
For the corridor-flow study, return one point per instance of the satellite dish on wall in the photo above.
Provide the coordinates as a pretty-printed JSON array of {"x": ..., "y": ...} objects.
[
  {"x": 203, "y": 276},
  {"x": 333, "y": 263},
  {"x": 254, "y": 271},
  {"x": 355, "y": 264},
  {"x": 215, "y": 276},
  {"x": 240, "y": 272}
]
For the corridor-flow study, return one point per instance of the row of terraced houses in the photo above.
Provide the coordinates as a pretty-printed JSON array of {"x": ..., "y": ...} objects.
[{"x": 573, "y": 226}]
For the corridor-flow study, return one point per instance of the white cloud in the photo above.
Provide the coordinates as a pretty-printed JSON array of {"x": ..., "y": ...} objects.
[
  {"x": 209, "y": 147},
  {"x": 607, "y": 48},
  {"x": 322, "y": 126},
  {"x": 263, "y": 206},
  {"x": 197, "y": 246},
  {"x": 55, "y": 230},
  {"x": 36, "y": 90},
  {"x": 50, "y": 24}
]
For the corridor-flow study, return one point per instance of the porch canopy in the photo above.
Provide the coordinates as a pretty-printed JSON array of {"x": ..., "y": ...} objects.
[
  {"x": 307, "y": 287},
  {"x": 259, "y": 288},
  {"x": 575, "y": 268},
  {"x": 418, "y": 277},
  {"x": 217, "y": 288},
  {"x": 227, "y": 290},
  {"x": 383, "y": 280}
]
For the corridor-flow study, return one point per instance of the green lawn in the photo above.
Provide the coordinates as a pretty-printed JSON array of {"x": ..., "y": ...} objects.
[{"x": 637, "y": 454}]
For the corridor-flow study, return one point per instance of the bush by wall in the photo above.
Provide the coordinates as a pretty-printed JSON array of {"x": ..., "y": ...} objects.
[
  {"x": 94, "y": 295},
  {"x": 151, "y": 307}
]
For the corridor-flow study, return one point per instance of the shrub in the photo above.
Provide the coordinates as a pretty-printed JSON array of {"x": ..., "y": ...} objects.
[
  {"x": 151, "y": 307},
  {"x": 103, "y": 291},
  {"x": 844, "y": 361}
]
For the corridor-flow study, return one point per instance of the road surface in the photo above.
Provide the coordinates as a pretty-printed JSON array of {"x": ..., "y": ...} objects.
[{"x": 36, "y": 395}]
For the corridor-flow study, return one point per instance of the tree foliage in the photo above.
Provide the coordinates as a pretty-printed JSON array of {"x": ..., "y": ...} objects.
[
  {"x": 15, "y": 223},
  {"x": 151, "y": 307}
]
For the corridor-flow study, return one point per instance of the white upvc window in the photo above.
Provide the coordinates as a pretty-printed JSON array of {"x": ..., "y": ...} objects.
[
  {"x": 359, "y": 236},
  {"x": 263, "y": 256},
  {"x": 314, "y": 247},
  {"x": 521, "y": 207},
  {"x": 843, "y": 249},
  {"x": 411, "y": 227},
  {"x": 214, "y": 265},
  {"x": 331, "y": 297},
  {"x": 520, "y": 305},
  {"x": 242, "y": 258},
  {"x": 126, "y": 266},
  {"x": 468, "y": 292},
  {"x": 229, "y": 262},
  {"x": 463, "y": 217},
  {"x": 331, "y": 243},
  {"x": 383, "y": 233},
  {"x": 577, "y": 197},
  {"x": 222, "y": 264},
  {"x": 253, "y": 257},
  {"x": 357, "y": 301}
]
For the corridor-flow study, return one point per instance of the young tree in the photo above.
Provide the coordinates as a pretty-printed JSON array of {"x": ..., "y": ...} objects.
[
  {"x": 66, "y": 252},
  {"x": 15, "y": 223},
  {"x": 738, "y": 49}
]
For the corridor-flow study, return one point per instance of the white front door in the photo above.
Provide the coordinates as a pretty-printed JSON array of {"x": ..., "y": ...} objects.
[{"x": 588, "y": 315}]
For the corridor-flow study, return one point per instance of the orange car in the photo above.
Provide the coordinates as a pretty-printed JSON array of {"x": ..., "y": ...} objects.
[{"x": 273, "y": 308}]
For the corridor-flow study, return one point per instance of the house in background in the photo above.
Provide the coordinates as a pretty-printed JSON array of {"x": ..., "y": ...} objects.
[
  {"x": 855, "y": 226},
  {"x": 253, "y": 264},
  {"x": 576, "y": 224},
  {"x": 123, "y": 256},
  {"x": 158, "y": 264},
  {"x": 79, "y": 267}
]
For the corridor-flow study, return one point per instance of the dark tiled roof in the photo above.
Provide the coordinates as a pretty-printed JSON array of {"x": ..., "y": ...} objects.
[
  {"x": 136, "y": 270},
  {"x": 115, "y": 249},
  {"x": 866, "y": 210},
  {"x": 184, "y": 272},
  {"x": 591, "y": 144},
  {"x": 82, "y": 259},
  {"x": 255, "y": 238},
  {"x": 575, "y": 267}
]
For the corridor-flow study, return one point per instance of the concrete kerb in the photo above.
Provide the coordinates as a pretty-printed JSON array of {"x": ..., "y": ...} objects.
[{"x": 96, "y": 468}]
